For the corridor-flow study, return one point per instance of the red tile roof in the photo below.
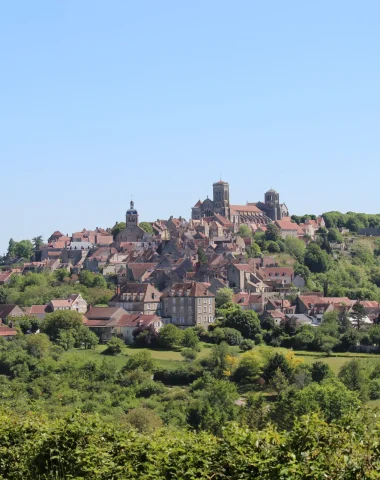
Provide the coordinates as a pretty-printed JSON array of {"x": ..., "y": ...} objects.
[{"x": 7, "y": 332}]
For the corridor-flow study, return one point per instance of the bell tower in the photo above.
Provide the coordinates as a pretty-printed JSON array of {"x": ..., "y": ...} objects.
[
  {"x": 221, "y": 198},
  {"x": 132, "y": 216},
  {"x": 272, "y": 201}
]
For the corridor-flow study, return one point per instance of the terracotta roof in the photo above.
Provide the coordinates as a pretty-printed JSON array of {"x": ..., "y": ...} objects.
[
  {"x": 288, "y": 225},
  {"x": 310, "y": 300},
  {"x": 191, "y": 289},
  {"x": 198, "y": 204},
  {"x": 244, "y": 267},
  {"x": 4, "y": 276},
  {"x": 276, "y": 314},
  {"x": 7, "y": 332},
  {"x": 35, "y": 309},
  {"x": 57, "y": 233},
  {"x": 244, "y": 208},
  {"x": 60, "y": 302},
  {"x": 137, "y": 320}
]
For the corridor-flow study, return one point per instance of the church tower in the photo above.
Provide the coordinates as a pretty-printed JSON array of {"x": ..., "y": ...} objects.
[
  {"x": 221, "y": 198},
  {"x": 132, "y": 216},
  {"x": 272, "y": 201}
]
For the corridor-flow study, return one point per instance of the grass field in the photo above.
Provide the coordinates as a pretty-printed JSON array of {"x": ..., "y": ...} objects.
[{"x": 170, "y": 359}]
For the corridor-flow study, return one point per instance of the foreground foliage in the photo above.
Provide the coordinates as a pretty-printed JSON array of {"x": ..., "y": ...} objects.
[{"x": 85, "y": 447}]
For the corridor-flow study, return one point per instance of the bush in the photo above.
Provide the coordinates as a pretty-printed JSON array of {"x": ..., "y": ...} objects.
[
  {"x": 374, "y": 389},
  {"x": 182, "y": 375},
  {"x": 247, "y": 345},
  {"x": 170, "y": 337},
  {"x": 189, "y": 354},
  {"x": 114, "y": 346},
  {"x": 232, "y": 336}
]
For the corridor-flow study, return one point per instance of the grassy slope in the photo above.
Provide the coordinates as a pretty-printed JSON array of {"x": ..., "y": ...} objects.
[{"x": 170, "y": 359}]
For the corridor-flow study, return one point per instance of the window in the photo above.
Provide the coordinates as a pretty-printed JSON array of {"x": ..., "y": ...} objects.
[
  {"x": 199, "y": 301},
  {"x": 174, "y": 309},
  {"x": 205, "y": 319},
  {"x": 210, "y": 319},
  {"x": 209, "y": 301},
  {"x": 199, "y": 319},
  {"x": 205, "y": 300},
  {"x": 181, "y": 301},
  {"x": 199, "y": 309},
  {"x": 148, "y": 306},
  {"x": 182, "y": 310},
  {"x": 173, "y": 301},
  {"x": 205, "y": 309},
  {"x": 182, "y": 319},
  {"x": 190, "y": 310},
  {"x": 209, "y": 310},
  {"x": 174, "y": 319}
]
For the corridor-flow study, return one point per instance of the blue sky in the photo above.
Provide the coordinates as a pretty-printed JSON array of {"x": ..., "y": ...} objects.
[{"x": 101, "y": 100}]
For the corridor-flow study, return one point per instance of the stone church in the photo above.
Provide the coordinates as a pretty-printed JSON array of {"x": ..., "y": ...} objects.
[
  {"x": 132, "y": 232},
  {"x": 260, "y": 213}
]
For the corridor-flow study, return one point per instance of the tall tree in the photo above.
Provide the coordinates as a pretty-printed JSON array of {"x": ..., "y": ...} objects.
[
  {"x": 358, "y": 314},
  {"x": 37, "y": 242}
]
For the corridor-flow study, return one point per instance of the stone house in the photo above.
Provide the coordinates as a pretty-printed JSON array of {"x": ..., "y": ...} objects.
[
  {"x": 9, "y": 311},
  {"x": 137, "y": 298},
  {"x": 188, "y": 304},
  {"x": 127, "y": 324},
  {"x": 103, "y": 321},
  {"x": 73, "y": 302}
]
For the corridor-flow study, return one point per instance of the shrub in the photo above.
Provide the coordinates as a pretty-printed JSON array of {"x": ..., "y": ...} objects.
[
  {"x": 246, "y": 345},
  {"x": 114, "y": 346}
]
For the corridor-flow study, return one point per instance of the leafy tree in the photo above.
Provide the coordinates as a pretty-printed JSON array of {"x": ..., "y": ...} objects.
[
  {"x": 316, "y": 259},
  {"x": 353, "y": 374},
  {"x": 27, "y": 324},
  {"x": 65, "y": 339},
  {"x": 170, "y": 336},
  {"x": 244, "y": 230},
  {"x": 334, "y": 236},
  {"x": 246, "y": 345},
  {"x": 21, "y": 249},
  {"x": 145, "y": 336},
  {"x": 37, "y": 242},
  {"x": 117, "y": 228},
  {"x": 246, "y": 321},
  {"x": 61, "y": 320},
  {"x": 253, "y": 250},
  {"x": 189, "y": 354},
  {"x": 279, "y": 382},
  {"x": 223, "y": 296},
  {"x": 11, "y": 253},
  {"x": 272, "y": 233},
  {"x": 277, "y": 361},
  {"x": 272, "y": 247},
  {"x": 38, "y": 345},
  {"x": 320, "y": 371},
  {"x": 358, "y": 314},
  {"x": 90, "y": 279},
  {"x": 295, "y": 247},
  {"x": 214, "y": 406},
  {"x": 374, "y": 334},
  {"x": 232, "y": 336},
  {"x": 202, "y": 257},
  {"x": 114, "y": 346},
  {"x": 142, "y": 360},
  {"x": 250, "y": 367},
  {"x": 147, "y": 227},
  {"x": 190, "y": 339},
  {"x": 87, "y": 338}
]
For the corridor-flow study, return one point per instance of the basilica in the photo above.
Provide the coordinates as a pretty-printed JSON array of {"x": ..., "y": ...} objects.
[{"x": 259, "y": 213}]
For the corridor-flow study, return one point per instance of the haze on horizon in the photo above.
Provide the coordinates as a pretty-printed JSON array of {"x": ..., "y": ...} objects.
[{"x": 104, "y": 100}]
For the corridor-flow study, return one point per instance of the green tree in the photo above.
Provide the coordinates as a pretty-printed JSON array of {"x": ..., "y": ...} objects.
[
  {"x": 232, "y": 336},
  {"x": 358, "y": 314},
  {"x": 170, "y": 336},
  {"x": 190, "y": 339},
  {"x": 114, "y": 346},
  {"x": 277, "y": 361},
  {"x": 354, "y": 375},
  {"x": 38, "y": 345},
  {"x": 316, "y": 259},
  {"x": 320, "y": 371},
  {"x": 202, "y": 257},
  {"x": 244, "y": 230},
  {"x": 295, "y": 247},
  {"x": 279, "y": 382},
  {"x": 144, "y": 420},
  {"x": 223, "y": 296},
  {"x": 334, "y": 236},
  {"x": 272, "y": 247},
  {"x": 61, "y": 320},
  {"x": 87, "y": 338},
  {"x": 246, "y": 321},
  {"x": 272, "y": 233},
  {"x": 65, "y": 339},
  {"x": 189, "y": 354},
  {"x": 117, "y": 228},
  {"x": 23, "y": 249},
  {"x": 147, "y": 227},
  {"x": 142, "y": 360},
  {"x": 37, "y": 242},
  {"x": 253, "y": 250}
]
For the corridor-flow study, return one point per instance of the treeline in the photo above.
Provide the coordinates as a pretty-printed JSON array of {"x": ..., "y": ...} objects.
[
  {"x": 40, "y": 288},
  {"x": 350, "y": 220},
  {"x": 83, "y": 446}
]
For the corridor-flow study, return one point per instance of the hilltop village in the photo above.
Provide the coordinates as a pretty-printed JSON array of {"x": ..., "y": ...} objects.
[{"x": 170, "y": 271}]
